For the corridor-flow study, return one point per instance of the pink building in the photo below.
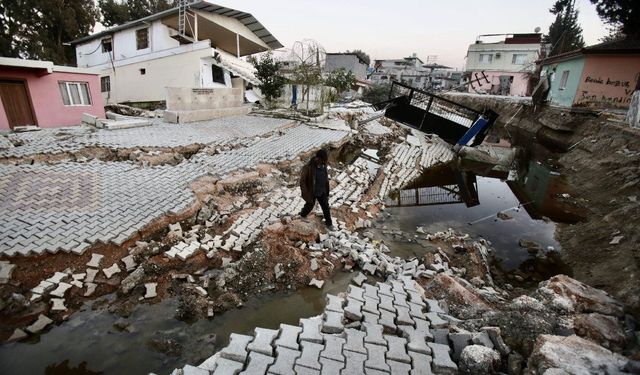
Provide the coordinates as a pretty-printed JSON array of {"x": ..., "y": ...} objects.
[
  {"x": 503, "y": 64},
  {"x": 39, "y": 93}
]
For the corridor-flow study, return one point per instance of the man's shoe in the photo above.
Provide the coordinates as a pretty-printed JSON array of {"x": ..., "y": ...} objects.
[{"x": 331, "y": 228}]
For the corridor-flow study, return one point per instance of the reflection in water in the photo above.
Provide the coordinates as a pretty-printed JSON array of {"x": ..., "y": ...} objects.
[
  {"x": 504, "y": 212},
  {"x": 462, "y": 189},
  {"x": 63, "y": 368},
  {"x": 89, "y": 340}
]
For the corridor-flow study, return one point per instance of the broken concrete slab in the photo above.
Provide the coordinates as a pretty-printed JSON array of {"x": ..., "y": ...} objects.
[{"x": 317, "y": 283}]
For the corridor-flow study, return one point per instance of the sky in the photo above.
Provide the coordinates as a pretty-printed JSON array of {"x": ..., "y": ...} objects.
[{"x": 397, "y": 28}]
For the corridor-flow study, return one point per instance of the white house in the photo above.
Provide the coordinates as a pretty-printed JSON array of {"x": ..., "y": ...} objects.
[
  {"x": 507, "y": 64},
  {"x": 409, "y": 70},
  {"x": 139, "y": 60}
]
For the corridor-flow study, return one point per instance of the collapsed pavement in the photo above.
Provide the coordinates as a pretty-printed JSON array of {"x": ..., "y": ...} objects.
[{"x": 242, "y": 240}]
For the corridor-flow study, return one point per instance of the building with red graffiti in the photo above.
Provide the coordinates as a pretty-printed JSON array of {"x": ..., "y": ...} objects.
[{"x": 600, "y": 76}]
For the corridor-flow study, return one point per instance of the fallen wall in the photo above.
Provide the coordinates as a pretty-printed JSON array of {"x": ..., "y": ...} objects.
[{"x": 187, "y": 104}]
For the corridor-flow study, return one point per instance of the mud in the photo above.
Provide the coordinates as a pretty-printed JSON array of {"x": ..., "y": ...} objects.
[{"x": 600, "y": 157}]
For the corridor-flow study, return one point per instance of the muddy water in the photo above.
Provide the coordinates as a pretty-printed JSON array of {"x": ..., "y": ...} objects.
[
  {"x": 88, "y": 343},
  {"x": 438, "y": 201}
]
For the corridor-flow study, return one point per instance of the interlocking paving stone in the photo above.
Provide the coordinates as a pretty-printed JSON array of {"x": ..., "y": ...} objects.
[
  {"x": 397, "y": 349},
  {"x": 376, "y": 357},
  {"x": 331, "y": 367},
  {"x": 354, "y": 340},
  {"x": 355, "y": 292},
  {"x": 311, "y": 330},
  {"x": 354, "y": 363},
  {"x": 258, "y": 364},
  {"x": 374, "y": 334},
  {"x": 440, "y": 335},
  {"x": 353, "y": 310},
  {"x": 334, "y": 303},
  {"x": 109, "y": 272},
  {"x": 442, "y": 363},
  {"x": 301, "y": 370},
  {"x": 332, "y": 322},
  {"x": 109, "y": 202},
  {"x": 436, "y": 321},
  {"x": 399, "y": 368},
  {"x": 41, "y": 323},
  {"x": 434, "y": 307},
  {"x": 420, "y": 363},
  {"x": 310, "y": 355},
  {"x": 459, "y": 341},
  {"x": 95, "y": 260},
  {"x": 285, "y": 360},
  {"x": 386, "y": 303},
  {"x": 192, "y": 370},
  {"x": 387, "y": 320},
  {"x": 370, "y": 291},
  {"x": 403, "y": 317},
  {"x": 417, "y": 339},
  {"x": 237, "y": 348},
  {"x": 288, "y": 337},
  {"x": 333, "y": 348},
  {"x": 370, "y": 305},
  {"x": 60, "y": 290},
  {"x": 263, "y": 341},
  {"x": 226, "y": 366}
]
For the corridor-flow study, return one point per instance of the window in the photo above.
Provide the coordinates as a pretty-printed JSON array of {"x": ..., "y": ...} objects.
[
  {"x": 486, "y": 58},
  {"x": 518, "y": 58},
  {"x": 75, "y": 93},
  {"x": 564, "y": 79},
  {"x": 217, "y": 74},
  {"x": 106, "y": 45},
  {"x": 105, "y": 84},
  {"x": 142, "y": 38},
  {"x": 143, "y": 71}
]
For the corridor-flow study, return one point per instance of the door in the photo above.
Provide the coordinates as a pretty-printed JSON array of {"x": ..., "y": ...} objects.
[{"x": 16, "y": 103}]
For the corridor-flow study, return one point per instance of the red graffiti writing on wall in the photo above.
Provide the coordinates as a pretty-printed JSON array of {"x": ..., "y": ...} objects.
[{"x": 608, "y": 81}]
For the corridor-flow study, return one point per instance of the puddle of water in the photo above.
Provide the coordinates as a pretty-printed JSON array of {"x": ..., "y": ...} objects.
[
  {"x": 89, "y": 344},
  {"x": 452, "y": 198}
]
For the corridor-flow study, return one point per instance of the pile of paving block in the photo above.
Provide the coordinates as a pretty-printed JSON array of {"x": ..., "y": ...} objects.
[
  {"x": 353, "y": 182},
  {"x": 385, "y": 328},
  {"x": 56, "y": 287},
  {"x": 408, "y": 161}
]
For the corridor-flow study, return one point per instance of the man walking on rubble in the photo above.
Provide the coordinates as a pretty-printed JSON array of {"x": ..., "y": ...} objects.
[{"x": 314, "y": 184}]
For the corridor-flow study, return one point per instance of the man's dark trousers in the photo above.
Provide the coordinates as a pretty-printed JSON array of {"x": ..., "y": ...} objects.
[{"x": 324, "y": 204}]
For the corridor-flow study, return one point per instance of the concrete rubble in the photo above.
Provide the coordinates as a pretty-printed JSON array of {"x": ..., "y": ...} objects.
[{"x": 425, "y": 315}]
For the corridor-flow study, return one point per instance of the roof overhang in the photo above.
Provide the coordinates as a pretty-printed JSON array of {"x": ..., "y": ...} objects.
[
  {"x": 41, "y": 67},
  {"x": 248, "y": 20}
]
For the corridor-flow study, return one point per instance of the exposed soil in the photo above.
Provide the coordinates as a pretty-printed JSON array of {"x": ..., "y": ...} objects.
[{"x": 600, "y": 157}]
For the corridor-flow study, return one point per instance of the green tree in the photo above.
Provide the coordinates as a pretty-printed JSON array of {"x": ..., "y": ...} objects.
[
  {"x": 113, "y": 12},
  {"x": 117, "y": 12},
  {"x": 362, "y": 55},
  {"x": 267, "y": 71},
  {"x": 341, "y": 79},
  {"x": 565, "y": 34},
  {"x": 622, "y": 15},
  {"x": 376, "y": 93},
  {"x": 34, "y": 29}
]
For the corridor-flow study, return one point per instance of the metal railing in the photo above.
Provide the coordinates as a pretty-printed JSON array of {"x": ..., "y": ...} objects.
[{"x": 434, "y": 104}]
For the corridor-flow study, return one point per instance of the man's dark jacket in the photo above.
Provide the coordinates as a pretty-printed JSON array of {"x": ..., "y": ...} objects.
[{"x": 308, "y": 181}]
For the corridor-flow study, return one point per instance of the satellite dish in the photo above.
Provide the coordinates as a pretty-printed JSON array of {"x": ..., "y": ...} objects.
[{"x": 537, "y": 29}]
